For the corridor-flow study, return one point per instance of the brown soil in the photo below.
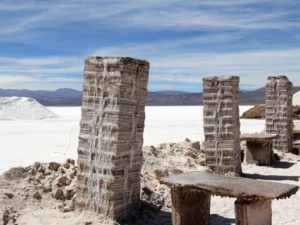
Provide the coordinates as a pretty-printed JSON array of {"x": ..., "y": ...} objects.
[{"x": 259, "y": 111}]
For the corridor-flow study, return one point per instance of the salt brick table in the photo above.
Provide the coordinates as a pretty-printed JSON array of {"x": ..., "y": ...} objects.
[
  {"x": 296, "y": 145},
  {"x": 259, "y": 148},
  {"x": 191, "y": 193}
]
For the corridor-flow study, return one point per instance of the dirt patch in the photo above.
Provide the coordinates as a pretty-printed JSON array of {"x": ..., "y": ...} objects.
[
  {"x": 256, "y": 112},
  {"x": 45, "y": 193},
  {"x": 259, "y": 112}
]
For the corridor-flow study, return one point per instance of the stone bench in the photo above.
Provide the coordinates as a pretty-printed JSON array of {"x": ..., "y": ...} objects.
[
  {"x": 258, "y": 148},
  {"x": 191, "y": 193}
]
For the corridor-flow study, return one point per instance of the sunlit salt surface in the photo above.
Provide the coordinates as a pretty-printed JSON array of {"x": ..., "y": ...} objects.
[{"x": 24, "y": 142}]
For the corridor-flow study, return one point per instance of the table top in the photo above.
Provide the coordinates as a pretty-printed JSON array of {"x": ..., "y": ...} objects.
[
  {"x": 296, "y": 129},
  {"x": 231, "y": 186},
  {"x": 297, "y": 142},
  {"x": 257, "y": 136}
]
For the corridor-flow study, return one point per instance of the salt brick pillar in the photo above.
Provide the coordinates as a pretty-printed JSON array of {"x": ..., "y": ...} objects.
[
  {"x": 221, "y": 124},
  {"x": 279, "y": 111},
  {"x": 111, "y": 135}
]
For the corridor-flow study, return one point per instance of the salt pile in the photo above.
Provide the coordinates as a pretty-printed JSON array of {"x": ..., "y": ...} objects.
[
  {"x": 23, "y": 108},
  {"x": 296, "y": 98}
]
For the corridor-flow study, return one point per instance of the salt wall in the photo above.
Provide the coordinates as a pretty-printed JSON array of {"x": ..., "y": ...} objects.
[
  {"x": 221, "y": 124},
  {"x": 111, "y": 135},
  {"x": 279, "y": 111}
]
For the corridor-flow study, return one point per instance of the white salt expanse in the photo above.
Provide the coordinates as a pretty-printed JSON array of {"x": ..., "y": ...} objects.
[
  {"x": 173, "y": 124},
  {"x": 23, "y": 142},
  {"x": 23, "y": 108},
  {"x": 296, "y": 98}
]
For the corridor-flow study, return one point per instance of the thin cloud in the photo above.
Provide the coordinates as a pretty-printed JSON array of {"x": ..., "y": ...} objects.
[
  {"x": 190, "y": 66},
  {"x": 183, "y": 41},
  {"x": 166, "y": 47},
  {"x": 9, "y": 79},
  {"x": 41, "y": 61},
  {"x": 38, "y": 66},
  {"x": 169, "y": 14},
  {"x": 252, "y": 66}
]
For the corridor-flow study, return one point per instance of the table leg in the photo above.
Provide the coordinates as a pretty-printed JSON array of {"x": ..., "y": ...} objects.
[
  {"x": 253, "y": 213},
  {"x": 190, "y": 207},
  {"x": 258, "y": 152}
]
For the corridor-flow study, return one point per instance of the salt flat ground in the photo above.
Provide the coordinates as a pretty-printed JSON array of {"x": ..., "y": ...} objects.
[{"x": 24, "y": 142}]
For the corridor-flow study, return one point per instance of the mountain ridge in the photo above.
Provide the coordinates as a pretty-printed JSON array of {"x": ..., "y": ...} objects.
[{"x": 71, "y": 97}]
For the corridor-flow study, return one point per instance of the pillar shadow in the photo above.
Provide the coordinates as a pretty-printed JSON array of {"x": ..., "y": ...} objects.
[
  {"x": 281, "y": 164},
  {"x": 270, "y": 177},
  {"x": 295, "y": 151},
  {"x": 216, "y": 219},
  {"x": 151, "y": 215}
]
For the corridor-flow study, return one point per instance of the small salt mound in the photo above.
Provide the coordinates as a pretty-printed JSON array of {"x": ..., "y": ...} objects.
[
  {"x": 296, "y": 98},
  {"x": 23, "y": 108}
]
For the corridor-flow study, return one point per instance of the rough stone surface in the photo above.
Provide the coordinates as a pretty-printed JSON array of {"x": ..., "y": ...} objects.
[
  {"x": 253, "y": 213},
  {"x": 37, "y": 195},
  {"x": 9, "y": 195},
  {"x": 177, "y": 158},
  {"x": 111, "y": 135},
  {"x": 229, "y": 186},
  {"x": 191, "y": 197},
  {"x": 279, "y": 111},
  {"x": 189, "y": 208},
  {"x": 221, "y": 124},
  {"x": 59, "y": 194},
  {"x": 258, "y": 152},
  {"x": 54, "y": 166}
]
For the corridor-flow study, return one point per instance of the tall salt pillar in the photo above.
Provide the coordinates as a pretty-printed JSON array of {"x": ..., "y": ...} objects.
[
  {"x": 111, "y": 135},
  {"x": 221, "y": 124},
  {"x": 279, "y": 111}
]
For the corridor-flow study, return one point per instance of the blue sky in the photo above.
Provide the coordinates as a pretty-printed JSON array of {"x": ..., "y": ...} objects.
[{"x": 43, "y": 43}]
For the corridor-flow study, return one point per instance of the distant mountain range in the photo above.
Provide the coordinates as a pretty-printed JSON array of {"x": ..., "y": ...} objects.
[
  {"x": 70, "y": 97},
  {"x": 60, "y": 97}
]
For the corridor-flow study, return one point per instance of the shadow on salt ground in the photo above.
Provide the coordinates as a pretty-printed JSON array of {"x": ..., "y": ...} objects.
[
  {"x": 296, "y": 151},
  {"x": 270, "y": 177},
  {"x": 282, "y": 164},
  {"x": 150, "y": 215},
  {"x": 216, "y": 219}
]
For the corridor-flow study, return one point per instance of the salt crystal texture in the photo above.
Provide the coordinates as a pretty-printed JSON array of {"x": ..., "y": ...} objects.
[
  {"x": 111, "y": 135},
  {"x": 222, "y": 124},
  {"x": 23, "y": 108}
]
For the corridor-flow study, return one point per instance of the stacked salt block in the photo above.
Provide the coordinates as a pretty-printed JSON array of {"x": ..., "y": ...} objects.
[
  {"x": 221, "y": 124},
  {"x": 111, "y": 135},
  {"x": 279, "y": 111}
]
